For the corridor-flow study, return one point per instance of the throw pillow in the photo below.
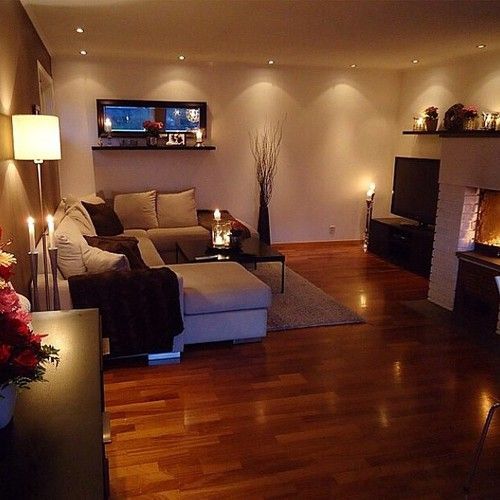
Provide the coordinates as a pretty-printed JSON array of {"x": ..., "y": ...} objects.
[
  {"x": 81, "y": 218},
  {"x": 100, "y": 261},
  {"x": 137, "y": 210},
  {"x": 126, "y": 245},
  {"x": 70, "y": 245},
  {"x": 177, "y": 209},
  {"x": 104, "y": 218}
]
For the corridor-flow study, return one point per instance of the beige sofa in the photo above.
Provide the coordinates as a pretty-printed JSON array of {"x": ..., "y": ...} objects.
[{"x": 219, "y": 300}]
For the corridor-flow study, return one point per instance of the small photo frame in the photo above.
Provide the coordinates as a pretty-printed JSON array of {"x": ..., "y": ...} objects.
[{"x": 176, "y": 139}]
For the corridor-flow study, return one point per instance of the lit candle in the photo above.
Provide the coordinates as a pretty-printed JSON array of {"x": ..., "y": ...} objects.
[
  {"x": 371, "y": 191},
  {"x": 199, "y": 135},
  {"x": 50, "y": 226},
  {"x": 217, "y": 214},
  {"x": 218, "y": 240},
  {"x": 108, "y": 127},
  {"x": 31, "y": 231}
]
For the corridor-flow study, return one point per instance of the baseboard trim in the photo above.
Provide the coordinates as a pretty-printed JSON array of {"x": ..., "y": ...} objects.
[{"x": 316, "y": 244}]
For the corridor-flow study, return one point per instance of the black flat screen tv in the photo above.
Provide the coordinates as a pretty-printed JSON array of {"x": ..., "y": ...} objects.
[{"x": 415, "y": 189}]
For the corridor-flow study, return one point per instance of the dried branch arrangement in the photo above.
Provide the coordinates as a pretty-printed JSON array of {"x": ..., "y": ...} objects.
[{"x": 265, "y": 147}]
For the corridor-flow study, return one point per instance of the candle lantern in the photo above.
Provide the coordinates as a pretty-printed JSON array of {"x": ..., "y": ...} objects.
[{"x": 221, "y": 234}]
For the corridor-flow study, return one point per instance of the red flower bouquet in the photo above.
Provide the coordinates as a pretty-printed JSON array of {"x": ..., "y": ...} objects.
[
  {"x": 152, "y": 128},
  {"x": 22, "y": 355}
]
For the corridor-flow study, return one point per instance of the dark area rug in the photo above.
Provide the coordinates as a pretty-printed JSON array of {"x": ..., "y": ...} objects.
[{"x": 303, "y": 305}]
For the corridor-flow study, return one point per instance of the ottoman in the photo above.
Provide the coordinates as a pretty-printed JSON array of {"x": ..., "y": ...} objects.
[{"x": 222, "y": 301}]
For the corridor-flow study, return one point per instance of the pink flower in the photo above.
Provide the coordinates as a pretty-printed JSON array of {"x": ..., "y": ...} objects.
[{"x": 9, "y": 301}]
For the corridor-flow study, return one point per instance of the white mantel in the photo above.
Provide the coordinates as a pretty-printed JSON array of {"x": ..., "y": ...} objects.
[{"x": 467, "y": 164}]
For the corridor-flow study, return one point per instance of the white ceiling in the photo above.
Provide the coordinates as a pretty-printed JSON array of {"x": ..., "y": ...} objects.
[{"x": 369, "y": 33}]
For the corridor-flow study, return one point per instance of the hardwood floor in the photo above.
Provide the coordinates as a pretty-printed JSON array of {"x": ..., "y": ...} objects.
[{"x": 391, "y": 408}]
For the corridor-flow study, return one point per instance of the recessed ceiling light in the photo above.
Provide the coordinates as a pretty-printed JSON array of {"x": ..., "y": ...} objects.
[
  {"x": 415, "y": 61},
  {"x": 79, "y": 29},
  {"x": 270, "y": 62},
  {"x": 83, "y": 52},
  {"x": 181, "y": 58},
  {"x": 481, "y": 46},
  {"x": 354, "y": 66}
]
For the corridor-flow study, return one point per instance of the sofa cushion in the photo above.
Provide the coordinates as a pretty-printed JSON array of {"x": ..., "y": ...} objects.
[
  {"x": 149, "y": 252},
  {"x": 81, "y": 218},
  {"x": 71, "y": 245},
  {"x": 165, "y": 238},
  {"x": 177, "y": 209},
  {"x": 137, "y": 210},
  {"x": 215, "y": 287},
  {"x": 104, "y": 218},
  {"x": 100, "y": 261},
  {"x": 125, "y": 245}
]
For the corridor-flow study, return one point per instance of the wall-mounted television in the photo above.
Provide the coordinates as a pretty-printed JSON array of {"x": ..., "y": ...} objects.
[{"x": 415, "y": 189}]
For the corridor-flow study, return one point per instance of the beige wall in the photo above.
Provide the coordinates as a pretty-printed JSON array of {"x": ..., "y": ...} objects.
[
  {"x": 471, "y": 81},
  {"x": 338, "y": 137},
  {"x": 20, "y": 48}
]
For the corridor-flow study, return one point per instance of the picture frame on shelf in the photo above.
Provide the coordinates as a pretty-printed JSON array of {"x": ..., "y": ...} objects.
[
  {"x": 127, "y": 116},
  {"x": 175, "y": 139}
]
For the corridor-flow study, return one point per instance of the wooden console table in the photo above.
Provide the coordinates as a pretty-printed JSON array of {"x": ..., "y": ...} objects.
[
  {"x": 476, "y": 296},
  {"x": 53, "y": 448}
]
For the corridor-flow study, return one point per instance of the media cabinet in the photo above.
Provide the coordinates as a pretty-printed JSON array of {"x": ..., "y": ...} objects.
[{"x": 403, "y": 243}]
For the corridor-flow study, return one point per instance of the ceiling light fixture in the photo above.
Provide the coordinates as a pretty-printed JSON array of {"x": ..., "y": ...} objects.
[
  {"x": 415, "y": 61},
  {"x": 481, "y": 46},
  {"x": 354, "y": 66},
  {"x": 270, "y": 62},
  {"x": 79, "y": 29},
  {"x": 181, "y": 57},
  {"x": 83, "y": 52}
]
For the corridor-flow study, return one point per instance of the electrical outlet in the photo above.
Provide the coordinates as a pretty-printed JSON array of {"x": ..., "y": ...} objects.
[{"x": 332, "y": 229}]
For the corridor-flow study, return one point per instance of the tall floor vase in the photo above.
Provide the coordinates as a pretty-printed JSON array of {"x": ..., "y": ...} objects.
[
  {"x": 7, "y": 404},
  {"x": 263, "y": 226}
]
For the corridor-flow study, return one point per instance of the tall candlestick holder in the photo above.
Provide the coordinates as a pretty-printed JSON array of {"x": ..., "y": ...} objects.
[
  {"x": 370, "y": 195},
  {"x": 55, "y": 288},
  {"x": 34, "y": 279}
]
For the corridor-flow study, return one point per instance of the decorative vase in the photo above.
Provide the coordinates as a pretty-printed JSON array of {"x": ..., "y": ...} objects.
[
  {"x": 431, "y": 124},
  {"x": 470, "y": 124},
  {"x": 263, "y": 226},
  {"x": 7, "y": 403},
  {"x": 151, "y": 141}
]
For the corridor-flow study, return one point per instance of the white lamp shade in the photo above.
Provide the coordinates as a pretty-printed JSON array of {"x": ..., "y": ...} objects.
[{"x": 36, "y": 137}]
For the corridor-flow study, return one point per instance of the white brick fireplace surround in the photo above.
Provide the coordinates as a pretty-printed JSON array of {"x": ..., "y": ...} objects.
[{"x": 467, "y": 164}]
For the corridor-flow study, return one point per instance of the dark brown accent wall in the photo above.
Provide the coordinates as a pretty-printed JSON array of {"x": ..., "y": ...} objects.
[{"x": 20, "y": 48}]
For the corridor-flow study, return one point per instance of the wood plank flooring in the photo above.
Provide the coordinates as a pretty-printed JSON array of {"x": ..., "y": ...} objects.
[{"x": 387, "y": 409}]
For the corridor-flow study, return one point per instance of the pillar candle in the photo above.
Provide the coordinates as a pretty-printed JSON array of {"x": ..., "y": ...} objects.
[
  {"x": 50, "y": 226},
  {"x": 31, "y": 232}
]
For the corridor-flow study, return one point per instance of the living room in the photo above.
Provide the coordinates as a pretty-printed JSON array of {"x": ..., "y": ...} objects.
[{"x": 343, "y": 117}]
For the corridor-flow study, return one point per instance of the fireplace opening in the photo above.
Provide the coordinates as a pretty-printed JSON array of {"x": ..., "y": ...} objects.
[{"x": 487, "y": 239}]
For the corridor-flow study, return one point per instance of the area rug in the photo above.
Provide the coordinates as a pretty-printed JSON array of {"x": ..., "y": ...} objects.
[{"x": 303, "y": 305}]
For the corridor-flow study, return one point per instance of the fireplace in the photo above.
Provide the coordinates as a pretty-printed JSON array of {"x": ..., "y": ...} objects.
[
  {"x": 487, "y": 239},
  {"x": 468, "y": 173}
]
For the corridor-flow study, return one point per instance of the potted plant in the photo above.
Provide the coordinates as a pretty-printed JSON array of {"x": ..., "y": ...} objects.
[
  {"x": 153, "y": 130},
  {"x": 431, "y": 118},
  {"x": 22, "y": 355},
  {"x": 469, "y": 114}
]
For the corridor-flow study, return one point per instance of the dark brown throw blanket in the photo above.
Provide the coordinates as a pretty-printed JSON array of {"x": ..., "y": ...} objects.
[
  {"x": 140, "y": 309},
  {"x": 206, "y": 219}
]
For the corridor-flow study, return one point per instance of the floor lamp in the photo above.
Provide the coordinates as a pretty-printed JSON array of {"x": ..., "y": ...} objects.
[{"x": 36, "y": 138}]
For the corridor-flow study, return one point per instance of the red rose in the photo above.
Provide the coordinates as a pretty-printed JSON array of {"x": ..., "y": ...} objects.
[
  {"x": 5, "y": 352},
  {"x": 25, "y": 361},
  {"x": 12, "y": 330},
  {"x": 5, "y": 272}
]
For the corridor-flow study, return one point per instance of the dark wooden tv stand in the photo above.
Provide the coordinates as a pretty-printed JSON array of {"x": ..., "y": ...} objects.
[{"x": 403, "y": 242}]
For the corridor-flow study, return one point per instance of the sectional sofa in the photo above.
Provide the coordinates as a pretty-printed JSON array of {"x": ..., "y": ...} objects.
[{"x": 219, "y": 300}]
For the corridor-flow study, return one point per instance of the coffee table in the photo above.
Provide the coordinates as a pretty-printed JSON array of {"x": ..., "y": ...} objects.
[{"x": 252, "y": 251}]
